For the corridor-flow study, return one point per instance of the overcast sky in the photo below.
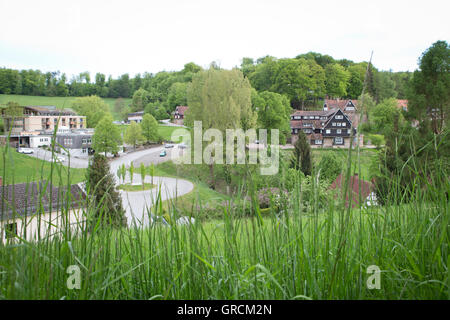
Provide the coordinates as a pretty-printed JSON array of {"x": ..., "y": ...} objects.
[{"x": 130, "y": 36}]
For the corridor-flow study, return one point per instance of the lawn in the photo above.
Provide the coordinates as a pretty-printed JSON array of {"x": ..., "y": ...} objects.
[
  {"x": 135, "y": 187},
  {"x": 166, "y": 133},
  {"x": 25, "y": 168},
  {"x": 202, "y": 196},
  {"x": 368, "y": 160},
  {"x": 59, "y": 102}
]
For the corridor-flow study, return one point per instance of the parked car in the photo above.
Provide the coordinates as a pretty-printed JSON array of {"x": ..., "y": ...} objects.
[
  {"x": 163, "y": 153},
  {"x": 182, "y": 146},
  {"x": 59, "y": 159},
  {"x": 168, "y": 145},
  {"x": 25, "y": 150}
]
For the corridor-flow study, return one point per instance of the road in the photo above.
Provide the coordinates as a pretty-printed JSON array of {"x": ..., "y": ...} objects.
[{"x": 137, "y": 204}]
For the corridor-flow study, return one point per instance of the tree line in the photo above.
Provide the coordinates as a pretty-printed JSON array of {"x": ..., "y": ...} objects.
[{"x": 304, "y": 80}]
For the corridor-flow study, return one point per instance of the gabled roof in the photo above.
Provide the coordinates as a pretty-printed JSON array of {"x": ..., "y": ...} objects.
[
  {"x": 26, "y": 199},
  {"x": 137, "y": 113},
  {"x": 312, "y": 113},
  {"x": 340, "y": 104},
  {"x": 181, "y": 109},
  {"x": 355, "y": 183},
  {"x": 403, "y": 104}
]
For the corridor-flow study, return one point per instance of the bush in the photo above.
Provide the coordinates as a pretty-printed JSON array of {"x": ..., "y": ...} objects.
[{"x": 377, "y": 140}]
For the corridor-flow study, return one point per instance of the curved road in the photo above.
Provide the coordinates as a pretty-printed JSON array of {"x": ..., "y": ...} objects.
[{"x": 137, "y": 204}]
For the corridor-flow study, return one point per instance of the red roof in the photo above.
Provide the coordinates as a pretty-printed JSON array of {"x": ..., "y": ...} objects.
[
  {"x": 338, "y": 103},
  {"x": 403, "y": 104},
  {"x": 355, "y": 184},
  {"x": 181, "y": 110}
]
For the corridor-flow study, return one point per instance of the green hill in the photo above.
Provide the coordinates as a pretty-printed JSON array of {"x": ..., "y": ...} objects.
[{"x": 59, "y": 102}]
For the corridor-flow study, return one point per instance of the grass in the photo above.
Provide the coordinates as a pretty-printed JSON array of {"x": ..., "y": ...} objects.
[
  {"x": 24, "y": 168},
  {"x": 317, "y": 251},
  {"x": 135, "y": 187},
  {"x": 200, "y": 197},
  {"x": 166, "y": 133},
  {"x": 368, "y": 157},
  {"x": 59, "y": 102}
]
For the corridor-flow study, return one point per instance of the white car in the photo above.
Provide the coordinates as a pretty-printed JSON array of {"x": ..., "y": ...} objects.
[
  {"x": 59, "y": 159},
  {"x": 182, "y": 146},
  {"x": 168, "y": 145},
  {"x": 25, "y": 150}
]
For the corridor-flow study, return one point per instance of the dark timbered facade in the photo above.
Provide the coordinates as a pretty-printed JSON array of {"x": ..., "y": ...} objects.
[{"x": 330, "y": 127}]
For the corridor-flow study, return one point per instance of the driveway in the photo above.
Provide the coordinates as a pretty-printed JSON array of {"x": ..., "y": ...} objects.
[{"x": 47, "y": 156}]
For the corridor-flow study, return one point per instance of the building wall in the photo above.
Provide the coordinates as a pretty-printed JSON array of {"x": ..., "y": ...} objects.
[
  {"x": 137, "y": 119},
  {"x": 46, "y": 224},
  {"x": 34, "y": 123},
  {"x": 39, "y": 141}
]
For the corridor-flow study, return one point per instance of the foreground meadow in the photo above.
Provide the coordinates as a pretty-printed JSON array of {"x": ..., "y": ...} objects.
[{"x": 291, "y": 252}]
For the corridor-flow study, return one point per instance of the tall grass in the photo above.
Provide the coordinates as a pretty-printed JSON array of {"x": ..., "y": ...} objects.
[{"x": 319, "y": 251}]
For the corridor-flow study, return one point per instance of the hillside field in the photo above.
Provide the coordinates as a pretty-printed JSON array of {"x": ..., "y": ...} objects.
[{"x": 59, "y": 102}]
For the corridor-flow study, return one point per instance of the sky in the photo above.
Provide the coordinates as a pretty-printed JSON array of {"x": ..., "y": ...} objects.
[{"x": 131, "y": 36}]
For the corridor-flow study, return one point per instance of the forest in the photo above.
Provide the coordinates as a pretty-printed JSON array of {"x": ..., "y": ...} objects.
[{"x": 305, "y": 80}]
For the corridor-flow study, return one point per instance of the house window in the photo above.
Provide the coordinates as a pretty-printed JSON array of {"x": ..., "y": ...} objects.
[
  {"x": 333, "y": 124},
  {"x": 328, "y": 131},
  {"x": 84, "y": 150},
  {"x": 344, "y": 124},
  {"x": 338, "y": 140},
  {"x": 63, "y": 122},
  {"x": 316, "y": 117},
  {"x": 10, "y": 230},
  {"x": 297, "y": 117},
  {"x": 349, "y": 131},
  {"x": 338, "y": 124},
  {"x": 338, "y": 131},
  {"x": 339, "y": 117},
  {"x": 318, "y": 141}
]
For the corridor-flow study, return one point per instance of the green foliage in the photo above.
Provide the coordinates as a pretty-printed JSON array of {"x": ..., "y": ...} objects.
[
  {"x": 106, "y": 137},
  {"x": 133, "y": 134},
  {"x": 221, "y": 99},
  {"x": 302, "y": 154},
  {"x": 149, "y": 127},
  {"x": 151, "y": 170},
  {"x": 377, "y": 140},
  {"x": 93, "y": 107},
  {"x": 330, "y": 167},
  {"x": 141, "y": 98},
  {"x": 102, "y": 195},
  {"x": 142, "y": 171},
  {"x": 385, "y": 116},
  {"x": 131, "y": 169},
  {"x": 273, "y": 113},
  {"x": 336, "y": 80},
  {"x": 177, "y": 95},
  {"x": 430, "y": 88},
  {"x": 299, "y": 79}
]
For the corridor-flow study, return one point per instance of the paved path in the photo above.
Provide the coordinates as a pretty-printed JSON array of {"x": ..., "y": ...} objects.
[
  {"x": 47, "y": 156},
  {"x": 137, "y": 204}
]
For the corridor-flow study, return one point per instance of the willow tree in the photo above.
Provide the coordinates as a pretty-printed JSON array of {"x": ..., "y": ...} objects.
[{"x": 220, "y": 99}]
